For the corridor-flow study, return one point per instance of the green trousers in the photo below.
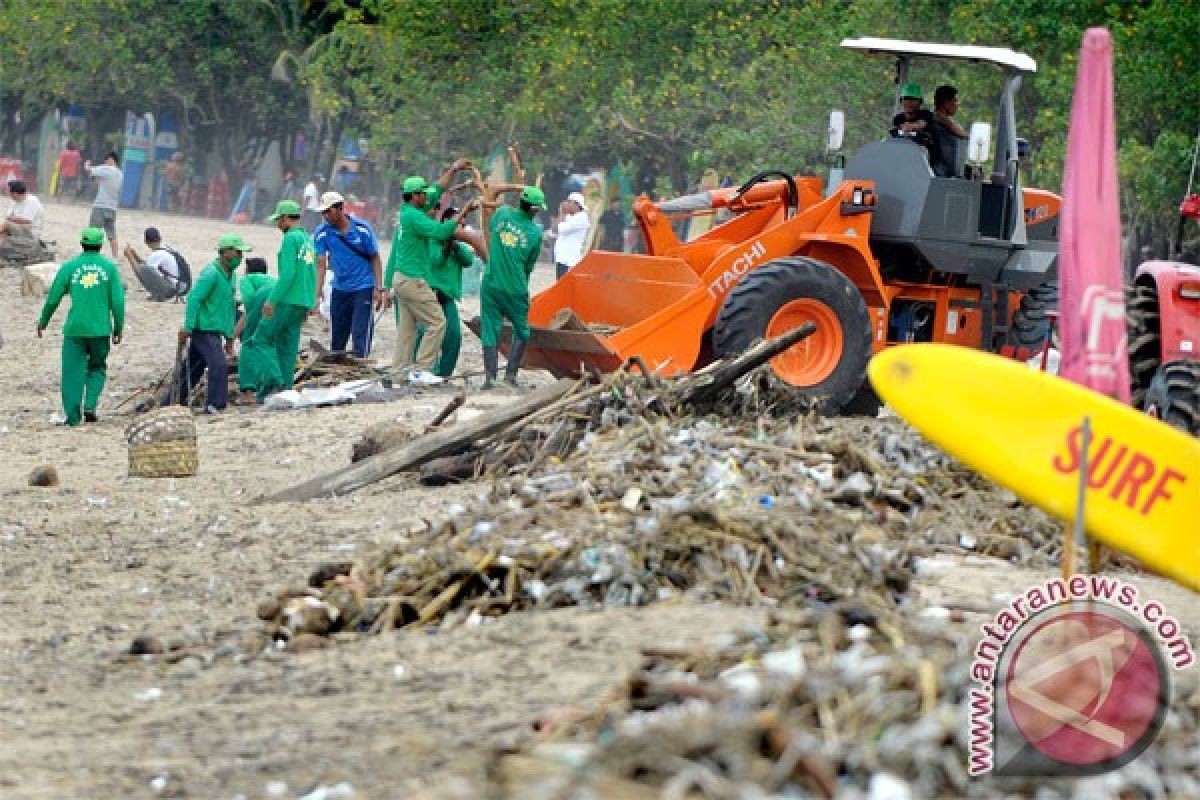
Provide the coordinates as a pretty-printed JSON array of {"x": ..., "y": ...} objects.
[
  {"x": 451, "y": 340},
  {"x": 288, "y": 319},
  {"x": 495, "y": 306},
  {"x": 84, "y": 370},
  {"x": 269, "y": 358}
]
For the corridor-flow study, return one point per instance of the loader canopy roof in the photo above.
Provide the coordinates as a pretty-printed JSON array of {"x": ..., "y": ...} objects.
[{"x": 999, "y": 56}]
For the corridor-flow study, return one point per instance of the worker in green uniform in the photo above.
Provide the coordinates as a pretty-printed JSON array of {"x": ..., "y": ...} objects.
[
  {"x": 447, "y": 261},
  {"x": 408, "y": 270},
  {"x": 208, "y": 326},
  {"x": 255, "y": 278},
  {"x": 97, "y": 316},
  {"x": 254, "y": 294},
  {"x": 433, "y": 198},
  {"x": 294, "y": 295},
  {"x": 513, "y": 246}
]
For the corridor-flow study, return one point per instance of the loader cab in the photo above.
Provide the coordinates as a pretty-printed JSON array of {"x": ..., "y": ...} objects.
[{"x": 972, "y": 224}]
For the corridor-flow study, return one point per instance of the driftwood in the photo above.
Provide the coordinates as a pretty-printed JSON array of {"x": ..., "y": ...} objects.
[
  {"x": 453, "y": 454},
  {"x": 708, "y": 382},
  {"x": 424, "y": 449}
]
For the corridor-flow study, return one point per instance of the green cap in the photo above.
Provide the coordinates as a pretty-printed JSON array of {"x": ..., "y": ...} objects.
[
  {"x": 233, "y": 241},
  {"x": 432, "y": 195},
  {"x": 414, "y": 184},
  {"x": 533, "y": 196},
  {"x": 286, "y": 208},
  {"x": 910, "y": 90},
  {"x": 92, "y": 236}
]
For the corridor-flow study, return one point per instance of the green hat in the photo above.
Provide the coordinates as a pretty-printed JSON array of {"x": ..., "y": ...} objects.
[
  {"x": 432, "y": 195},
  {"x": 233, "y": 241},
  {"x": 912, "y": 90},
  {"x": 533, "y": 196},
  {"x": 286, "y": 208},
  {"x": 92, "y": 236},
  {"x": 415, "y": 184}
]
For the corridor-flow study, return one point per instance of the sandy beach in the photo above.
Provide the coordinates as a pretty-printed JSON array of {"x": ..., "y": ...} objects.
[{"x": 102, "y": 558}]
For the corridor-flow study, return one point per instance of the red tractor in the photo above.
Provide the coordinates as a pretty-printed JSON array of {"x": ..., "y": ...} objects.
[{"x": 1163, "y": 312}]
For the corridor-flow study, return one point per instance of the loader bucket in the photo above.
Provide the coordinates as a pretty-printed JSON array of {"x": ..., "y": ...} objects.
[{"x": 612, "y": 306}]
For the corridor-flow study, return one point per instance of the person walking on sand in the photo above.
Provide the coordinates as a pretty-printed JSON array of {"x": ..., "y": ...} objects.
[
  {"x": 208, "y": 326},
  {"x": 513, "y": 248},
  {"x": 96, "y": 318},
  {"x": 272, "y": 351},
  {"x": 108, "y": 189}
]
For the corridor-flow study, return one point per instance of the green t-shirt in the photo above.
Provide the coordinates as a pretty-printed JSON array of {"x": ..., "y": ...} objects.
[
  {"x": 297, "y": 282},
  {"x": 97, "y": 297},
  {"x": 210, "y": 305},
  {"x": 251, "y": 282},
  {"x": 445, "y": 269},
  {"x": 513, "y": 246},
  {"x": 415, "y": 235},
  {"x": 254, "y": 303}
]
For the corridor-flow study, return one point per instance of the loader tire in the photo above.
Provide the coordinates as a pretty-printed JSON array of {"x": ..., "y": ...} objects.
[
  {"x": 1031, "y": 320},
  {"x": 1174, "y": 396},
  {"x": 785, "y": 293},
  {"x": 1144, "y": 339}
]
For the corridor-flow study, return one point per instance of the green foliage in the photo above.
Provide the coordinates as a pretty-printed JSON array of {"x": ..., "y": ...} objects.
[{"x": 669, "y": 87}]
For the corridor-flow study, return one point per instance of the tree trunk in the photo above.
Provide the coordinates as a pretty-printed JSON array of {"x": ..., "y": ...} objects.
[{"x": 433, "y": 445}]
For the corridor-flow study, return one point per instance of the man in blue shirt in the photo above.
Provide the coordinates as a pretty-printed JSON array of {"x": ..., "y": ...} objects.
[{"x": 347, "y": 246}]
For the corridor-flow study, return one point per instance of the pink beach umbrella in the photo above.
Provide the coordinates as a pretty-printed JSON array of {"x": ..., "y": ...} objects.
[{"x": 1091, "y": 303}]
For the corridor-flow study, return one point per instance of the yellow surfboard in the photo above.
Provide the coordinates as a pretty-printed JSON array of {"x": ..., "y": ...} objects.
[{"x": 1023, "y": 429}]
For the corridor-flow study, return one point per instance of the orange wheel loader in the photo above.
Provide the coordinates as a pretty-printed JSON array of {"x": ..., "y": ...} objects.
[{"x": 894, "y": 253}]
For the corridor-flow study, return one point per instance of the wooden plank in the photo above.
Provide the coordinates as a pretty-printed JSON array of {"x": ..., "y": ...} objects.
[{"x": 426, "y": 448}]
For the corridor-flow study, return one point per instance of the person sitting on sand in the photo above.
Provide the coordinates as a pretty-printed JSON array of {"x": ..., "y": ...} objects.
[{"x": 159, "y": 272}]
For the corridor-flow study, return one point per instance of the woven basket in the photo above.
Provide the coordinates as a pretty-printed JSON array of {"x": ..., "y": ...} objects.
[
  {"x": 162, "y": 444},
  {"x": 179, "y": 459},
  {"x": 169, "y": 424}
]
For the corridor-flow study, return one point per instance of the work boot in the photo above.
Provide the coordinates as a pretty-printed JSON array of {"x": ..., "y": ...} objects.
[
  {"x": 90, "y": 416},
  {"x": 491, "y": 364},
  {"x": 515, "y": 354}
]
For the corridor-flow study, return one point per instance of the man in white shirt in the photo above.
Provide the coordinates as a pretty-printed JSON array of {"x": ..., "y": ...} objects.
[
  {"x": 311, "y": 216},
  {"x": 108, "y": 191},
  {"x": 159, "y": 272},
  {"x": 26, "y": 211},
  {"x": 571, "y": 234}
]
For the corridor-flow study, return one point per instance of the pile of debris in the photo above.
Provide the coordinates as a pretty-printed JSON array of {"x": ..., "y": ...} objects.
[
  {"x": 820, "y": 704},
  {"x": 608, "y": 497}
]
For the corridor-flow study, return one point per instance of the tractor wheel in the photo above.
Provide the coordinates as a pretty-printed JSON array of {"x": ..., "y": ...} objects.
[
  {"x": 1174, "y": 395},
  {"x": 1145, "y": 339},
  {"x": 1031, "y": 321},
  {"x": 830, "y": 364}
]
